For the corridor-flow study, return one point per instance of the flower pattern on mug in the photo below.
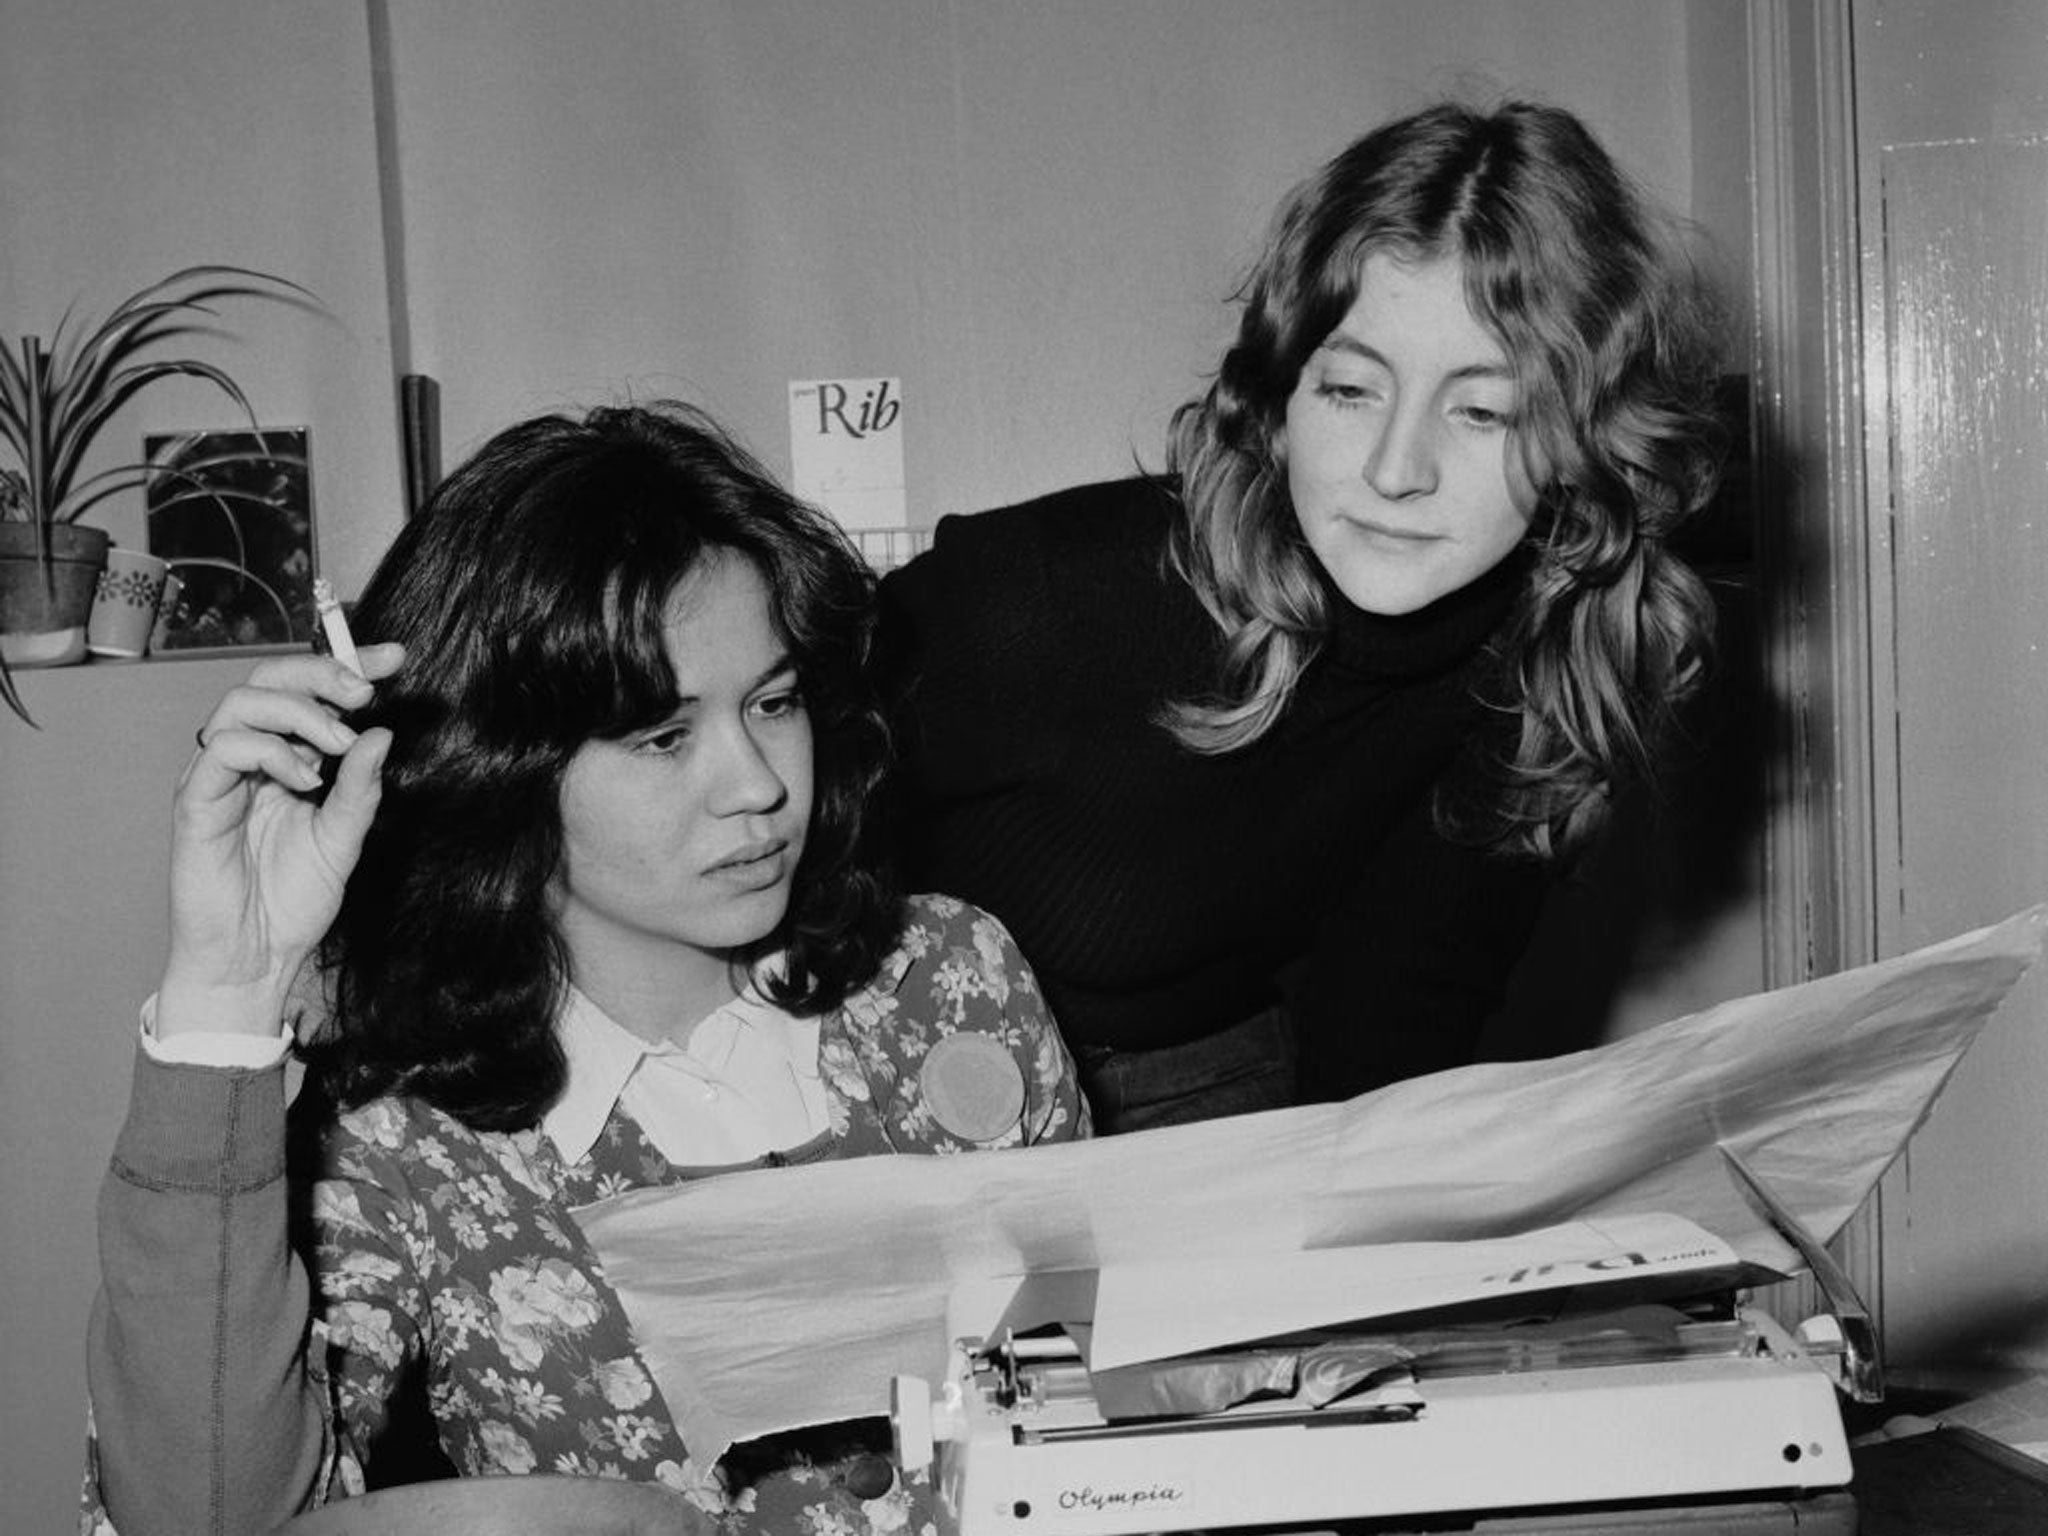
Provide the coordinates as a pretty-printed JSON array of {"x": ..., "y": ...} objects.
[{"x": 133, "y": 589}]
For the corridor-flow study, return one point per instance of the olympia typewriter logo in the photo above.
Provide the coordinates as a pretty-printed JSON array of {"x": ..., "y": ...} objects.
[{"x": 1121, "y": 1498}]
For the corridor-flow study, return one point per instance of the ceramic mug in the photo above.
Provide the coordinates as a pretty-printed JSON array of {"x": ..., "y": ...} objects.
[{"x": 125, "y": 603}]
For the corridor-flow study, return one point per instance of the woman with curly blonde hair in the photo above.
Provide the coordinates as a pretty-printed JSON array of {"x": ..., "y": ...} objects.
[{"x": 1267, "y": 761}]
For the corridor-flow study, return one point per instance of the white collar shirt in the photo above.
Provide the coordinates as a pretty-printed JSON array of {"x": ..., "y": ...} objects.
[{"x": 745, "y": 1083}]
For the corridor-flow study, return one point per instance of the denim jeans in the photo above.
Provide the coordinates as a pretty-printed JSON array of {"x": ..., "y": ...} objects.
[{"x": 1237, "y": 1071}]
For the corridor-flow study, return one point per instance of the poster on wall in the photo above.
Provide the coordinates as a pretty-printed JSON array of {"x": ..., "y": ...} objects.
[
  {"x": 232, "y": 511},
  {"x": 846, "y": 455}
]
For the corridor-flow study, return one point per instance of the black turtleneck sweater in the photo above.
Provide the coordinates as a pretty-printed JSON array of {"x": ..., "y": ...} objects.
[{"x": 1161, "y": 894}]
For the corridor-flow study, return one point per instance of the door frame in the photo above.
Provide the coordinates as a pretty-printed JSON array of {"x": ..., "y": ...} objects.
[{"x": 1819, "y": 547}]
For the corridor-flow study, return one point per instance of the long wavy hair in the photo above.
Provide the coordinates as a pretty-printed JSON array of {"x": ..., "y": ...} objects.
[
  {"x": 532, "y": 594},
  {"x": 1610, "y": 333}
]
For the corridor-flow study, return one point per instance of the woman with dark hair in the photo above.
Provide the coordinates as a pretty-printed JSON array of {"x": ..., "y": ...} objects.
[
  {"x": 1267, "y": 761},
  {"x": 600, "y": 913},
  {"x": 536, "y": 612}
]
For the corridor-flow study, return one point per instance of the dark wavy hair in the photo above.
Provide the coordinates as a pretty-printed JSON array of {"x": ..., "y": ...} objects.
[
  {"x": 532, "y": 594},
  {"x": 1611, "y": 336}
]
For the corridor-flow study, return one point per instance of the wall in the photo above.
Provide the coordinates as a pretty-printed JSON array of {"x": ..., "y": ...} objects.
[
  {"x": 1952, "y": 140},
  {"x": 137, "y": 139},
  {"x": 1032, "y": 213},
  {"x": 83, "y": 875}
]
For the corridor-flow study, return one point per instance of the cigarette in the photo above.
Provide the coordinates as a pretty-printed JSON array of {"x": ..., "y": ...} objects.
[{"x": 341, "y": 644}]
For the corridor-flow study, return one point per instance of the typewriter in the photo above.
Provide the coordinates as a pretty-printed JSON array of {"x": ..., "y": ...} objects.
[{"x": 1658, "y": 1397}]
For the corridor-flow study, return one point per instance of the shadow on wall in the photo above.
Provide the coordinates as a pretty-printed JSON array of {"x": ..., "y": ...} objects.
[
  {"x": 1683, "y": 854},
  {"x": 1996, "y": 1331}
]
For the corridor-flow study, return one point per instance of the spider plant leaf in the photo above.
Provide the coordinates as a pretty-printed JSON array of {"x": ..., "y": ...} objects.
[
  {"x": 245, "y": 277},
  {"x": 14, "y": 429},
  {"x": 13, "y": 382},
  {"x": 85, "y": 425},
  {"x": 140, "y": 320},
  {"x": 246, "y": 575},
  {"x": 195, "y": 488},
  {"x": 12, "y": 698},
  {"x": 229, "y": 458},
  {"x": 172, "y": 492},
  {"x": 35, "y": 440},
  {"x": 81, "y": 375},
  {"x": 219, "y": 503},
  {"x": 90, "y": 492},
  {"x": 138, "y": 325},
  {"x": 152, "y": 317},
  {"x": 191, "y": 489},
  {"x": 215, "y": 282}
]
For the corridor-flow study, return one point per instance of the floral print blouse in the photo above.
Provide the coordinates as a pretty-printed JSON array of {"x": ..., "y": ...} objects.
[{"x": 450, "y": 1259}]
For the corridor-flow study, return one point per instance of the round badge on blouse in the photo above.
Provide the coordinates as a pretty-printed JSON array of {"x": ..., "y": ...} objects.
[{"x": 973, "y": 1086}]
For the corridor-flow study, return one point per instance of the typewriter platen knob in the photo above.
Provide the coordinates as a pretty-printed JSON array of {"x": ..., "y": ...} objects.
[
  {"x": 910, "y": 1422},
  {"x": 869, "y": 1476}
]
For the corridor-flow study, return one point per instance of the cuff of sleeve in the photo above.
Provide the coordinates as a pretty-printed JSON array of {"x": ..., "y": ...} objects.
[
  {"x": 197, "y": 1127},
  {"x": 212, "y": 1048}
]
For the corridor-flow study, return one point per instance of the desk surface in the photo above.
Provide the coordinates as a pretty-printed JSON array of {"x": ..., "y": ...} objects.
[
  {"x": 1945, "y": 1481},
  {"x": 1950, "y": 1481}
]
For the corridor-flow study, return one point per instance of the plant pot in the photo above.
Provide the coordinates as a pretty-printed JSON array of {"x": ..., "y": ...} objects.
[{"x": 44, "y": 608}]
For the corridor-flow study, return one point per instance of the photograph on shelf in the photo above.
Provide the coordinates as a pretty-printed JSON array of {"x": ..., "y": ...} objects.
[{"x": 232, "y": 511}]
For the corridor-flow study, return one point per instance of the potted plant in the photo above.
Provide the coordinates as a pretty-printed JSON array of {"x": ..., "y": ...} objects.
[{"x": 54, "y": 401}]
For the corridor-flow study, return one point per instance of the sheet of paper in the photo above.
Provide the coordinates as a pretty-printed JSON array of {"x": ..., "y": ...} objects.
[
  {"x": 789, "y": 1296},
  {"x": 1153, "y": 1311}
]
